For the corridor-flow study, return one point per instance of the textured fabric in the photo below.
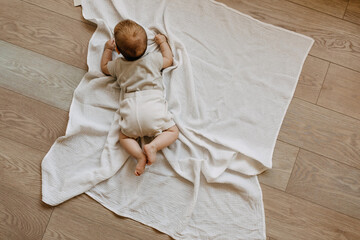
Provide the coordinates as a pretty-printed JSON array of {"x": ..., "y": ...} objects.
[
  {"x": 142, "y": 74},
  {"x": 230, "y": 86},
  {"x": 144, "y": 113}
]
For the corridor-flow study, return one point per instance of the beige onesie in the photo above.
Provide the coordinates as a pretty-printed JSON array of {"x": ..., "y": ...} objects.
[{"x": 143, "y": 109}]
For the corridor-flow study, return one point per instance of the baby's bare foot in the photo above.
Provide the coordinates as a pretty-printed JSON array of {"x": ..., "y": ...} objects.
[
  {"x": 150, "y": 151},
  {"x": 140, "y": 166}
]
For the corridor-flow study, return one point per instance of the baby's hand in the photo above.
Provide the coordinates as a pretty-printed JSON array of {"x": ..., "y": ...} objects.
[
  {"x": 159, "y": 39},
  {"x": 110, "y": 44}
]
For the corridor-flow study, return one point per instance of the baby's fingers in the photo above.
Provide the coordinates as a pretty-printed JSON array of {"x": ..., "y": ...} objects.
[
  {"x": 110, "y": 44},
  {"x": 159, "y": 38}
]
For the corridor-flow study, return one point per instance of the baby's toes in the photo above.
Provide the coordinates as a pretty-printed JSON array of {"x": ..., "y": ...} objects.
[{"x": 138, "y": 171}]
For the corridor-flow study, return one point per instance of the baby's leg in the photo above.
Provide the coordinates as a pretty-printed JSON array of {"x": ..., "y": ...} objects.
[
  {"x": 133, "y": 148},
  {"x": 163, "y": 140}
]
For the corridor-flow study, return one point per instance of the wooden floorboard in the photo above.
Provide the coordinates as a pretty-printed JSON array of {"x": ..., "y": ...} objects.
[
  {"x": 283, "y": 162},
  {"x": 65, "y": 225},
  {"x": 30, "y": 122},
  {"x": 85, "y": 207},
  {"x": 45, "y": 32},
  {"x": 341, "y": 91},
  {"x": 312, "y": 192},
  {"x": 327, "y": 183},
  {"x": 37, "y": 76},
  {"x": 335, "y": 8},
  {"x": 18, "y": 161},
  {"x": 63, "y": 7},
  {"x": 290, "y": 217},
  {"x": 22, "y": 217},
  {"x": 322, "y": 131},
  {"x": 352, "y": 13},
  {"x": 311, "y": 79}
]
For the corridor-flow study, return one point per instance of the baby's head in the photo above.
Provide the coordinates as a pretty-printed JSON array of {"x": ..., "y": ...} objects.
[{"x": 130, "y": 39}]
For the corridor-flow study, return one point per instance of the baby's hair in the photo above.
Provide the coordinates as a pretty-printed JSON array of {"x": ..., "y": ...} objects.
[{"x": 130, "y": 39}]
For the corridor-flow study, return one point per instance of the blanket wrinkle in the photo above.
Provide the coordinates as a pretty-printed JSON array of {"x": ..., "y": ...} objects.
[{"x": 228, "y": 91}]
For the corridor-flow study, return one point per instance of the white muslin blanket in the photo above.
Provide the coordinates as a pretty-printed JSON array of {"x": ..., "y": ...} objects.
[{"x": 229, "y": 88}]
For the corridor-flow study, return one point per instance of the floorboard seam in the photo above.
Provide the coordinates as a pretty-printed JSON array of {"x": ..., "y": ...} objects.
[
  {"x": 328, "y": 14},
  {"x": 330, "y": 158},
  {"x": 25, "y": 144},
  {"x": 37, "y": 100},
  {"x": 33, "y": 50},
  {"x": 329, "y": 109},
  {"x": 99, "y": 222},
  {"x": 48, "y": 223},
  {"x": 322, "y": 84},
  {"x": 306, "y": 200},
  {"x": 292, "y": 169},
  {"x": 345, "y": 9},
  {"x": 358, "y": 71},
  {"x": 44, "y": 8}
]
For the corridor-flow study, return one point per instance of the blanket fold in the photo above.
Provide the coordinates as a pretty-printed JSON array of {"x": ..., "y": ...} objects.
[{"x": 229, "y": 88}]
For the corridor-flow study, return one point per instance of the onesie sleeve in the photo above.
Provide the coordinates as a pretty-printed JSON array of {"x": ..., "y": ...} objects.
[
  {"x": 111, "y": 68},
  {"x": 157, "y": 60}
]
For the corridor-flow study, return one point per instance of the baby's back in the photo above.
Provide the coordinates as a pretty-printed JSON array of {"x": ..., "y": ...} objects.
[{"x": 138, "y": 75}]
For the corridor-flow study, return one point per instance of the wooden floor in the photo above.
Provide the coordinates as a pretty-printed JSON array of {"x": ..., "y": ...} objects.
[{"x": 313, "y": 191}]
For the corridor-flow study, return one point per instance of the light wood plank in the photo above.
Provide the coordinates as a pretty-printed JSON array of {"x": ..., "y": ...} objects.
[
  {"x": 335, "y": 8},
  {"x": 30, "y": 122},
  {"x": 66, "y": 225},
  {"x": 311, "y": 79},
  {"x": 352, "y": 13},
  {"x": 326, "y": 182},
  {"x": 45, "y": 32},
  {"x": 283, "y": 161},
  {"x": 21, "y": 217},
  {"x": 88, "y": 208},
  {"x": 289, "y": 217},
  {"x": 20, "y": 167},
  {"x": 341, "y": 91},
  {"x": 64, "y": 7},
  {"x": 37, "y": 76},
  {"x": 336, "y": 40},
  {"x": 322, "y": 131}
]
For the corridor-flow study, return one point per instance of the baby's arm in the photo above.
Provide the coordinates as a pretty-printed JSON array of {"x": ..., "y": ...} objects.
[
  {"x": 107, "y": 56},
  {"x": 165, "y": 50}
]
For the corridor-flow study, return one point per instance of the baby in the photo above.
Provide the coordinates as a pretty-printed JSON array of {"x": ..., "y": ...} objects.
[{"x": 143, "y": 109}]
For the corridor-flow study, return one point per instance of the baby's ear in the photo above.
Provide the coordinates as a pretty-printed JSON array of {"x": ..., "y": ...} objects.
[{"x": 117, "y": 50}]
